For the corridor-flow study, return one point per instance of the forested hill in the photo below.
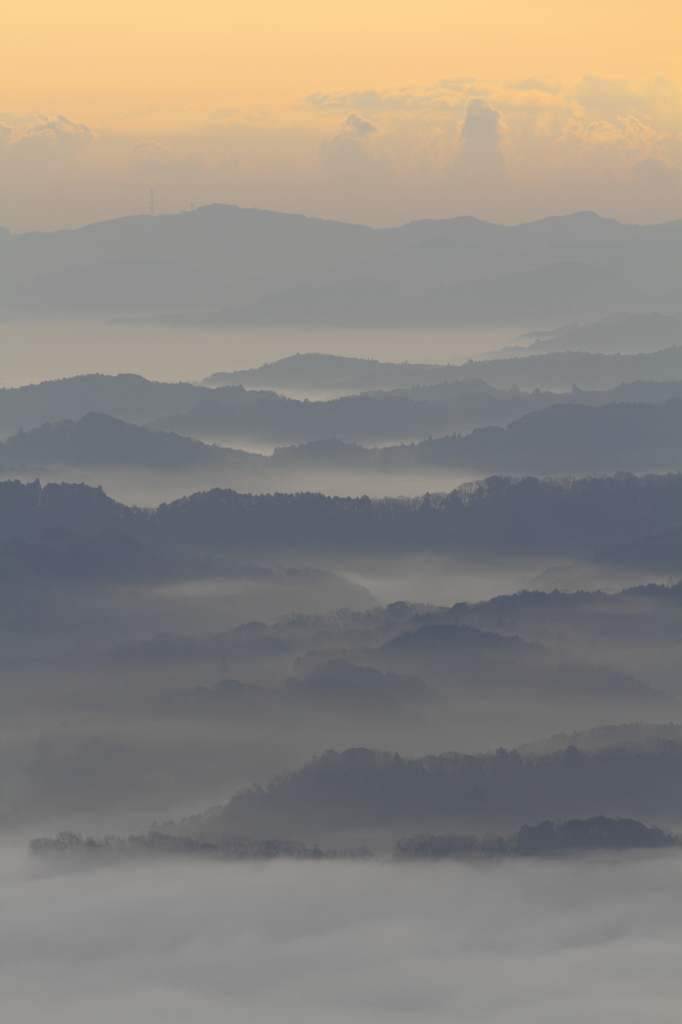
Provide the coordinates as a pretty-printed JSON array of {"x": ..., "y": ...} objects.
[
  {"x": 571, "y": 439},
  {"x": 499, "y": 514},
  {"x": 544, "y": 839},
  {"x": 232, "y": 413},
  {"x": 358, "y": 790}
]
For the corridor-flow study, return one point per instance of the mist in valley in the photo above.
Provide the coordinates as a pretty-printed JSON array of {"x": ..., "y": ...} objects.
[
  {"x": 340, "y": 621},
  {"x": 164, "y": 941},
  {"x": 45, "y": 349},
  {"x": 146, "y": 675},
  {"x": 149, "y": 489}
]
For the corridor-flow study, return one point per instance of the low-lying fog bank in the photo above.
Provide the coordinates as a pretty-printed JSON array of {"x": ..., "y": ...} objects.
[
  {"x": 38, "y": 350},
  {"x": 595, "y": 938},
  {"x": 148, "y": 488}
]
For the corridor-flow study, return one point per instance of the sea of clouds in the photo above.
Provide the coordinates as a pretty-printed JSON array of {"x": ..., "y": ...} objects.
[{"x": 595, "y": 939}]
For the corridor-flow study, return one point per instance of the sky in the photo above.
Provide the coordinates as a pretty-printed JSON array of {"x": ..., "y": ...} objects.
[{"x": 378, "y": 112}]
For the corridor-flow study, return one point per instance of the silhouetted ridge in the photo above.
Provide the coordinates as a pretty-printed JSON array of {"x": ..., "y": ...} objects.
[
  {"x": 544, "y": 839},
  {"x": 102, "y": 440},
  {"x": 554, "y": 370},
  {"x": 498, "y": 514},
  {"x": 358, "y": 789},
  {"x": 267, "y": 267}
]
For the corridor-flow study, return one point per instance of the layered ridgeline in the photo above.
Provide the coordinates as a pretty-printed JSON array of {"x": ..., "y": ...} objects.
[
  {"x": 411, "y": 667},
  {"x": 101, "y": 440},
  {"x": 566, "y": 438},
  {"x": 70, "y": 533},
  {"x": 147, "y": 719},
  {"x": 361, "y": 792},
  {"x": 638, "y": 619},
  {"x": 554, "y": 370},
  {"x": 544, "y": 294},
  {"x": 498, "y": 515},
  {"x": 401, "y": 415},
  {"x": 257, "y": 267},
  {"x": 368, "y": 797},
  {"x": 643, "y": 332},
  {"x": 421, "y": 400},
  {"x": 562, "y": 439},
  {"x": 230, "y": 414}
]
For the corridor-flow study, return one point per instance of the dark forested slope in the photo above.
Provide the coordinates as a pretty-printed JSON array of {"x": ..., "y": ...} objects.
[
  {"x": 100, "y": 440},
  {"x": 360, "y": 790},
  {"x": 567, "y": 438},
  {"x": 499, "y": 514},
  {"x": 410, "y": 414},
  {"x": 224, "y": 413}
]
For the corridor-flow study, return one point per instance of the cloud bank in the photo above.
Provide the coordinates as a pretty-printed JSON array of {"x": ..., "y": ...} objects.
[
  {"x": 298, "y": 943},
  {"x": 510, "y": 151}
]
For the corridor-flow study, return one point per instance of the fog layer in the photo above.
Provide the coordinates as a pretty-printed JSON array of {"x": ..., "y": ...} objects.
[{"x": 157, "y": 943}]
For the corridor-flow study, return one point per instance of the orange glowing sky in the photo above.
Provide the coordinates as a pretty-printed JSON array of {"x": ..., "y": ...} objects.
[{"x": 210, "y": 101}]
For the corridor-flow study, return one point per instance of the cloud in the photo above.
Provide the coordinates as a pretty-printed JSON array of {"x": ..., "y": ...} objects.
[
  {"x": 656, "y": 99},
  {"x": 571, "y": 144},
  {"x": 46, "y": 136},
  {"x": 350, "y": 140},
  {"x": 357, "y": 127},
  {"x": 164, "y": 942},
  {"x": 479, "y": 159},
  {"x": 353, "y": 172},
  {"x": 506, "y": 150},
  {"x": 440, "y": 97},
  {"x": 481, "y": 125},
  {"x": 363, "y": 100},
  {"x": 539, "y": 83},
  {"x": 624, "y": 139}
]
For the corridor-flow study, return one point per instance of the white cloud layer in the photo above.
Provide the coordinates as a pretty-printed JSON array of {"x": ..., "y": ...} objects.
[{"x": 594, "y": 940}]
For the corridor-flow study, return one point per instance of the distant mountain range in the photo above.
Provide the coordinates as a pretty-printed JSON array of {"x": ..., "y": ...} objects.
[
  {"x": 562, "y": 439},
  {"x": 412, "y": 414},
  {"x": 100, "y": 440},
  {"x": 234, "y": 416},
  {"x": 226, "y": 266},
  {"x": 316, "y": 371},
  {"x": 544, "y": 295},
  {"x": 126, "y": 396},
  {"x": 643, "y": 332}
]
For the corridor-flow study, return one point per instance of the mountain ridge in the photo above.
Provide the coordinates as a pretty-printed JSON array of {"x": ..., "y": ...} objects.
[{"x": 245, "y": 255}]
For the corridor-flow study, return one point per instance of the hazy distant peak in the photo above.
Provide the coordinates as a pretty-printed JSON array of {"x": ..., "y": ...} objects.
[{"x": 283, "y": 268}]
